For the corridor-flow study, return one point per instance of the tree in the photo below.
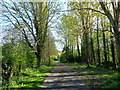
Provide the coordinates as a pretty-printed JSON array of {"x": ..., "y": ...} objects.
[
  {"x": 104, "y": 45},
  {"x": 49, "y": 49},
  {"x": 114, "y": 20},
  {"x": 112, "y": 49},
  {"x": 32, "y": 20},
  {"x": 111, "y": 10}
]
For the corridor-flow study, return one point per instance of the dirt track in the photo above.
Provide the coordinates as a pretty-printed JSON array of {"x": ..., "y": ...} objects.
[{"x": 64, "y": 77}]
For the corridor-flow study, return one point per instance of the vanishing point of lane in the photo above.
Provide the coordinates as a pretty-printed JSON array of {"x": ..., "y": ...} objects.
[{"x": 64, "y": 77}]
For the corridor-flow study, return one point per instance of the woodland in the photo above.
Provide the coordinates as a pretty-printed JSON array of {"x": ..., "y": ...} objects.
[{"x": 87, "y": 32}]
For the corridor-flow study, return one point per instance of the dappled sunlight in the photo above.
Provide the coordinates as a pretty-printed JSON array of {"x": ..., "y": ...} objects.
[
  {"x": 93, "y": 76},
  {"x": 63, "y": 76},
  {"x": 31, "y": 77},
  {"x": 38, "y": 35}
]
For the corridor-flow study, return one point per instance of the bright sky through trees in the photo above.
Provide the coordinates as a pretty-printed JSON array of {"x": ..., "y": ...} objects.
[{"x": 53, "y": 28}]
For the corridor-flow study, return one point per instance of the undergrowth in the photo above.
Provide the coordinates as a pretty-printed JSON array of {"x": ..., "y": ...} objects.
[{"x": 30, "y": 77}]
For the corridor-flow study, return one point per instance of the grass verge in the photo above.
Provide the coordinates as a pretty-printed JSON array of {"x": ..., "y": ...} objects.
[
  {"x": 30, "y": 77},
  {"x": 97, "y": 77}
]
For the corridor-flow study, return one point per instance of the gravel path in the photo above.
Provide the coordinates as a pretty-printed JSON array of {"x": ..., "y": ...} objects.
[{"x": 63, "y": 77}]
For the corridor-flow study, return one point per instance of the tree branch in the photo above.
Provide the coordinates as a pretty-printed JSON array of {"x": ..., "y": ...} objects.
[
  {"x": 84, "y": 9},
  {"x": 108, "y": 14}
]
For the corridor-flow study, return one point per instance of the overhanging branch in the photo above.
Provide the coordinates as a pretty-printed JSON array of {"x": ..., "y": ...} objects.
[{"x": 84, "y": 9}]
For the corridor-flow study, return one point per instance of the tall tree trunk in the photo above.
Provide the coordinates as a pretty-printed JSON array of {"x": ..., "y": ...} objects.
[
  {"x": 49, "y": 62},
  {"x": 38, "y": 56},
  {"x": 92, "y": 50},
  {"x": 112, "y": 49},
  {"x": 108, "y": 51},
  {"x": 72, "y": 47},
  {"x": 98, "y": 46},
  {"x": 78, "y": 49},
  {"x": 117, "y": 40},
  {"x": 104, "y": 44},
  {"x": 86, "y": 50},
  {"x": 105, "y": 53},
  {"x": 114, "y": 20},
  {"x": 82, "y": 51}
]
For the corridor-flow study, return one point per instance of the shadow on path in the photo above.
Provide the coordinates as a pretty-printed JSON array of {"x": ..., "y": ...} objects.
[{"x": 64, "y": 77}]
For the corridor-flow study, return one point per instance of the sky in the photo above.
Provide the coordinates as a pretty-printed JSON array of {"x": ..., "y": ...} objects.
[
  {"x": 1, "y": 34},
  {"x": 59, "y": 45}
]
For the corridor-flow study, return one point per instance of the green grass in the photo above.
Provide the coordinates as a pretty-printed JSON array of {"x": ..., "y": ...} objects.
[
  {"x": 30, "y": 78},
  {"x": 97, "y": 77},
  {"x": 112, "y": 82}
]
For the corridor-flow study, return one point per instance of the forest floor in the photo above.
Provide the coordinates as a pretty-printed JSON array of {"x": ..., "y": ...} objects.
[{"x": 64, "y": 77}]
